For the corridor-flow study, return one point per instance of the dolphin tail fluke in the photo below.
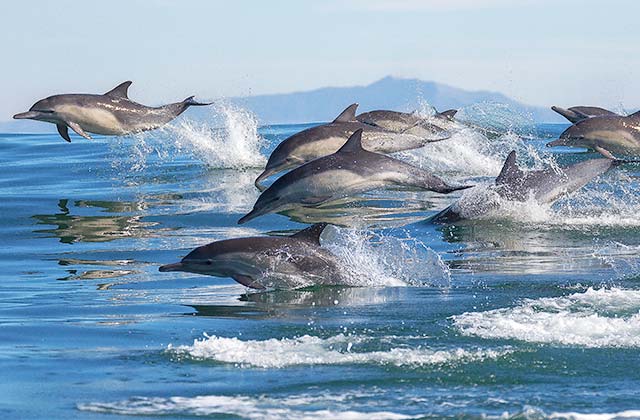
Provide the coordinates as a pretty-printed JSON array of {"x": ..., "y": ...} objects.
[{"x": 249, "y": 216}]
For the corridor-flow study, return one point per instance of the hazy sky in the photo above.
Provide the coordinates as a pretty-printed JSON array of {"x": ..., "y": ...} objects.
[{"x": 540, "y": 52}]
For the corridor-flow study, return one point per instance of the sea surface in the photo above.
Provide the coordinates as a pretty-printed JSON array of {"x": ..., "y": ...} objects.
[{"x": 532, "y": 312}]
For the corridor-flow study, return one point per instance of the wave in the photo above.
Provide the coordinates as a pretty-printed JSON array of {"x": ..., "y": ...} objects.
[
  {"x": 311, "y": 350},
  {"x": 594, "y": 318},
  {"x": 263, "y": 407}
]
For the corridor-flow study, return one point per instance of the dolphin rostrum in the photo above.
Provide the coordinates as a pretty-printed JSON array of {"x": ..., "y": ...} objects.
[
  {"x": 325, "y": 139},
  {"x": 280, "y": 262},
  {"x": 544, "y": 186},
  {"x": 111, "y": 114},
  {"x": 612, "y": 133},
  {"x": 349, "y": 171},
  {"x": 578, "y": 113}
]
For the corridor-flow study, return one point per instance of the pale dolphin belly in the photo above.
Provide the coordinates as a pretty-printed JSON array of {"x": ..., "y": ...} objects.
[{"x": 94, "y": 119}]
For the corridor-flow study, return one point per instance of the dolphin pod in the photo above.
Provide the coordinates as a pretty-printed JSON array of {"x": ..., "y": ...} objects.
[
  {"x": 111, "y": 114},
  {"x": 338, "y": 160},
  {"x": 325, "y": 139},
  {"x": 349, "y": 171},
  {"x": 261, "y": 262}
]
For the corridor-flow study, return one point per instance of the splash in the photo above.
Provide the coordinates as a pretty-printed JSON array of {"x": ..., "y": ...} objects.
[
  {"x": 237, "y": 145},
  {"x": 261, "y": 407},
  {"x": 375, "y": 259},
  {"x": 227, "y": 139},
  {"x": 594, "y": 318},
  {"x": 336, "y": 350},
  {"x": 470, "y": 153}
]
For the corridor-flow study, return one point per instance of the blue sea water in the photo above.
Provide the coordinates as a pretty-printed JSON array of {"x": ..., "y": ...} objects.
[{"x": 531, "y": 313}]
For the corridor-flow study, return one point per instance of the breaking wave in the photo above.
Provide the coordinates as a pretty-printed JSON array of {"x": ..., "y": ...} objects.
[
  {"x": 311, "y": 350},
  {"x": 261, "y": 407},
  {"x": 594, "y": 318}
]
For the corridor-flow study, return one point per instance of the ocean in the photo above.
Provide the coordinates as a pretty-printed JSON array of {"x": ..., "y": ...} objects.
[{"x": 531, "y": 313}]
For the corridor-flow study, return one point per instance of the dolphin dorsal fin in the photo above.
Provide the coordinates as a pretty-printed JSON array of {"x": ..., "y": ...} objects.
[
  {"x": 353, "y": 144},
  {"x": 311, "y": 234},
  {"x": 449, "y": 113},
  {"x": 349, "y": 114},
  {"x": 509, "y": 170},
  {"x": 120, "y": 91}
]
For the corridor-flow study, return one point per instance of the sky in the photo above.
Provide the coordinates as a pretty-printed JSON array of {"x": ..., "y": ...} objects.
[{"x": 540, "y": 52}]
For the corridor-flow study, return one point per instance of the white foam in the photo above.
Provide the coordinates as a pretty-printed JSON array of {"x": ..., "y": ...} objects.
[
  {"x": 534, "y": 413},
  {"x": 628, "y": 414},
  {"x": 594, "y": 318},
  {"x": 311, "y": 350},
  {"x": 263, "y": 407}
]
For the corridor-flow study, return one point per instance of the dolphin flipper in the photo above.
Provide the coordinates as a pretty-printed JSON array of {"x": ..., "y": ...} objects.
[
  {"x": 247, "y": 281},
  {"x": 64, "y": 132},
  {"x": 79, "y": 131}
]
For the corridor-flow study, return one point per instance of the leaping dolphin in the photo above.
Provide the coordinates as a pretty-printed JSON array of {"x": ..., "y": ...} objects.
[
  {"x": 111, "y": 114},
  {"x": 325, "y": 139},
  {"x": 612, "y": 133},
  {"x": 282, "y": 262},
  {"x": 349, "y": 171},
  {"x": 544, "y": 186},
  {"x": 578, "y": 113},
  {"x": 410, "y": 123}
]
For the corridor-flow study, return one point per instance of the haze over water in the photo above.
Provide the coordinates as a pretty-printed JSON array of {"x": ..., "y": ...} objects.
[{"x": 533, "y": 312}]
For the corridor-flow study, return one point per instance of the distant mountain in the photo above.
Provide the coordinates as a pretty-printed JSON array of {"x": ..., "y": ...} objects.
[
  {"x": 324, "y": 104},
  {"x": 388, "y": 93}
]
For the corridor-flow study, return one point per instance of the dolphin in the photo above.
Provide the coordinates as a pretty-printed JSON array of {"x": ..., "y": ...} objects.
[
  {"x": 544, "y": 186},
  {"x": 612, "y": 133},
  {"x": 267, "y": 262},
  {"x": 110, "y": 114},
  {"x": 578, "y": 113},
  {"x": 325, "y": 139},
  {"x": 410, "y": 123},
  {"x": 349, "y": 171}
]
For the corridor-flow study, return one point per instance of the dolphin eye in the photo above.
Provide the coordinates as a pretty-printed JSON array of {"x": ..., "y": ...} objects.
[{"x": 208, "y": 262}]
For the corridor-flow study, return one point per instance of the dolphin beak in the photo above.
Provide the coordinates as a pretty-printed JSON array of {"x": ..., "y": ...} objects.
[
  {"x": 26, "y": 115},
  {"x": 249, "y": 216},
  {"x": 171, "y": 267},
  {"x": 264, "y": 175},
  {"x": 554, "y": 143}
]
